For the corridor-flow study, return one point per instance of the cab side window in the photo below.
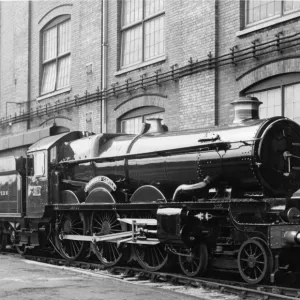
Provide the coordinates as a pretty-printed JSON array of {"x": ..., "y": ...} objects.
[
  {"x": 53, "y": 155},
  {"x": 39, "y": 164},
  {"x": 29, "y": 167},
  {"x": 36, "y": 164}
]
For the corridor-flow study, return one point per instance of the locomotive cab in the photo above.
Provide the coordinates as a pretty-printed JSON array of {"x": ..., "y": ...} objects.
[
  {"x": 37, "y": 183},
  {"x": 42, "y": 160}
]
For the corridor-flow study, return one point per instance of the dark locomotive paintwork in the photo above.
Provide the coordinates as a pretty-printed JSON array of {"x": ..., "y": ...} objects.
[
  {"x": 11, "y": 185},
  {"x": 208, "y": 190},
  {"x": 164, "y": 157}
]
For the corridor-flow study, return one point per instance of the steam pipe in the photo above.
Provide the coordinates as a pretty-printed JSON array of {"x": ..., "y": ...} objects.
[{"x": 191, "y": 187}]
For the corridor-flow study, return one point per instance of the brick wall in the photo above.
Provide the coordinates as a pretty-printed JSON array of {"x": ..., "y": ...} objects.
[
  {"x": 85, "y": 50},
  {"x": 192, "y": 30},
  {"x": 231, "y": 79},
  {"x": 189, "y": 32},
  {"x": 13, "y": 58}
]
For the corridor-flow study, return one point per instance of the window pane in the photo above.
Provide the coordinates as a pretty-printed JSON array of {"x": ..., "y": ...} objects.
[
  {"x": 64, "y": 38},
  {"x": 63, "y": 76},
  {"x": 49, "y": 78},
  {"x": 56, "y": 47},
  {"x": 257, "y": 10},
  {"x": 147, "y": 32},
  {"x": 50, "y": 43},
  {"x": 288, "y": 5},
  {"x": 270, "y": 9},
  {"x": 39, "y": 164},
  {"x": 154, "y": 38},
  {"x": 132, "y": 11},
  {"x": 291, "y": 5},
  {"x": 132, "y": 46},
  {"x": 153, "y": 7},
  {"x": 292, "y": 102},
  {"x": 263, "y": 11},
  {"x": 132, "y": 126},
  {"x": 271, "y": 103}
]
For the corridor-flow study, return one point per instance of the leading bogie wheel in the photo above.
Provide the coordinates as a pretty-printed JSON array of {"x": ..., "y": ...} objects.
[
  {"x": 254, "y": 261},
  {"x": 195, "y": 261},
  {"x": 104, "y": 223},
  {"x": 70, "y": 224}
]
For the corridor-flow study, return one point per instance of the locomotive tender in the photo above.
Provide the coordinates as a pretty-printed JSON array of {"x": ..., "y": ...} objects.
[{"x": 217, "y": 198}]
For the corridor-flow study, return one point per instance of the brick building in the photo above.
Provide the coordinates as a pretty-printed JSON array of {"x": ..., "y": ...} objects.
[{"x": 108, "y": 65}]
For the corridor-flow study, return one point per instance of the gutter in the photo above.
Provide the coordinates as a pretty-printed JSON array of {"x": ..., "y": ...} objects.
[{"x": 29, "y": 65}]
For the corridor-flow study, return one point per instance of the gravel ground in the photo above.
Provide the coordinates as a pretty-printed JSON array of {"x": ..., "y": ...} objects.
[{"x": 23, "y": 279}]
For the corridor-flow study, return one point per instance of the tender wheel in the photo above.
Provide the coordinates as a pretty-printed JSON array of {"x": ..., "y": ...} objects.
[
  {"x": 253, "y": 261},
  {"x": 151, "y": 258},
  {"x": 102, "y": 224},
  {"x": 196, "y": 262},
  {"x": 71, "y": 224}
]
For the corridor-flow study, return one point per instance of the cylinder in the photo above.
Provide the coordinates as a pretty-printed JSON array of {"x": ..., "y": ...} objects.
[{"x": 292, "y": 237}]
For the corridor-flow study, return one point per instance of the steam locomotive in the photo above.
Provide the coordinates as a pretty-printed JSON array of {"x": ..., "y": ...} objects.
[{"x": 219, "y": 197}]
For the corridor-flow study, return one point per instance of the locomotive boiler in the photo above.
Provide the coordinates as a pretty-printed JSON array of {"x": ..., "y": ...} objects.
[
  {"x": 259, "y": 158},
  {"x": 222, "y": 195}
]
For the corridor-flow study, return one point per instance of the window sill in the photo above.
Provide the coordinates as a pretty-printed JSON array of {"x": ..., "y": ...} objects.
[
  {"x": 49, "y": 95},
  {"x": 141, "y": 65},
  {"x": 267, "y": 24}
]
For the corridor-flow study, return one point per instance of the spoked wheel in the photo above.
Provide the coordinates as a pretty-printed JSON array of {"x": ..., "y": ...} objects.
[
  {"x": 253, "y": 261},
  {"x": 104, "y": 223},
  {"x": 21, "y": 249},
  {"x": 196, "y": 261},
  {"x": 151, "y": 258},
  {"x": 71, "y": 224}
]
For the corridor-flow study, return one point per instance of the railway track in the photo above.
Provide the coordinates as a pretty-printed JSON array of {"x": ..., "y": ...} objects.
[{"x": 234, "y": 288}]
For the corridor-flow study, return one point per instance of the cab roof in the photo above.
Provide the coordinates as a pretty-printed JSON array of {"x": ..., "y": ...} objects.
[
  {"x": 48, "y": 142},
  {"x": 29, "y": 137}
]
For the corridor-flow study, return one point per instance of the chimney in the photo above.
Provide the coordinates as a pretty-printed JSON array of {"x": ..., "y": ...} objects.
[{"x": 246, "y": 108}]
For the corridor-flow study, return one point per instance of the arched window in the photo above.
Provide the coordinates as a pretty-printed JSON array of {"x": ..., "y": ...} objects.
[
  {"x": 279, "y": 96},
  {"x": 132, "y": 121},
  {"x": 56, "y": 54}
]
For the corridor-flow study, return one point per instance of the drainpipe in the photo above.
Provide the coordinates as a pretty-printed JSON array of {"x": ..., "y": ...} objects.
[
  {"x": 217, "y": 36},
  {"x": 29, "y": 65},
  {"x": 104, "y": 65}
]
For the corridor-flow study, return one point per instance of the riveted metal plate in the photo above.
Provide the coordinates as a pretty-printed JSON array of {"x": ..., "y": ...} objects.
[{"x": 276, "y": 235}]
